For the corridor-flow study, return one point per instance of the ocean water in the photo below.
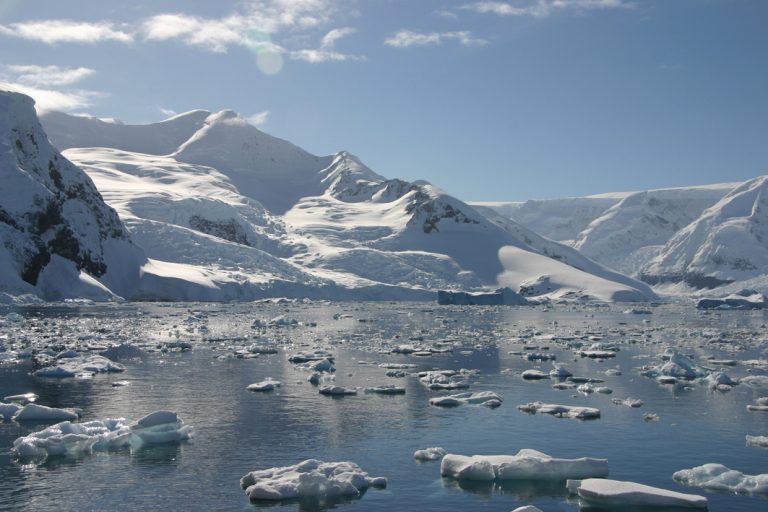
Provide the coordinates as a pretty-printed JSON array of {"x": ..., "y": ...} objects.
[{"x": 237, "y": 431}]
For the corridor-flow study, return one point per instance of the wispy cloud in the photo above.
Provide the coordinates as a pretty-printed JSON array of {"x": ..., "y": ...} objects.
[
  {"x": 67, "y": 31},
  {"x": 48, "y": 99},
  {"x": 43, "y": 76},
  {"x": 543, "y": 8},
  {"x": 329, "y": 40},
  {"x": 166, "y": 111},
  {"x": 259, "y": 118},
  {"x": 327, "y": 51},
  {"x": 407, "y": 38}
]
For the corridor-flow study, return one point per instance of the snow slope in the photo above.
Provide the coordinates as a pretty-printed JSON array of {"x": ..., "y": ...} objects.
[
  {"x": 233, "y": 204},
  {"x": 631, "y": 232},
  {"x": 727, "y": 244}
]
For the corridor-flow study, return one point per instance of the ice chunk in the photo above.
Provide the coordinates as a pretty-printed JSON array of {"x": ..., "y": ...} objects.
[
  {"x": 70, "y": 367},
  {"x": 526, "y": 465},
  {"x": 309, "y": 479},
  {"x": 534, "y": 375},
  {"x": 444, "y": 379},
  {"x": 387, "y": 389},
  {"x": 601, "y": 492},
  {"x": 761, "y": 441},
  {"x": 35, "y": 412},
  {"x": 322, "y": 366},
  {"x": 67, "y": 438},
  {"x": 337, "y": 391},
  {"x": 568, "y": 411},
  {"x": 716, "y": 477},
  {"x": 527, "y": 508},
  {"x": 501, "y": 297},
  {"x": 434, "y": 453},
  {"x": 560, "y": 372},
  {"x": 265, "y": 385},
  {"x": 487, "y": 398},
  {"x": 597, "y": 354},
  {"x": 159, "y": 427}
]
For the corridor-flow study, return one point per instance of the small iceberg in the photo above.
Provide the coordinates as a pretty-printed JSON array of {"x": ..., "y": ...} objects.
[
  {"x": 35, "y": 412},
  {"x": 265, "y": 385},
  {"x": 615, "y": 493},
  {"x": 337, "y": 391},
  {"x": 387, "y": 389},
  {"x": 716, "y": 477},
  {"x": 74, "y": 366},
  {"x": 309, "y": 479},
  {"x": 534, "y": 375},
  {"x": 159, "y": 427},
  {"x": 427, "y": 454},
  {"x": 526, "y": 465},
  {"x": 486, "y": 398},
  {"x": 566, "y": 411},
  {"x": 761, "y": 441}
]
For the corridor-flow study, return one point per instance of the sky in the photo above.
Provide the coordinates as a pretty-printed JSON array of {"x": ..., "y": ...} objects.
[{"x": 490, "y": 100}]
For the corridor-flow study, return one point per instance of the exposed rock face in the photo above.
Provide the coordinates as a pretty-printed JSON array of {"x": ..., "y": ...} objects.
[{"x": 48, "y": 206}]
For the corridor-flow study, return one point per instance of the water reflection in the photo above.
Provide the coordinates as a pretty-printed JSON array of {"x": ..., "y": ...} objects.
[
  {"x": 520, "y": 490},
  {"x": 161, "y": 455},
  {"x": 309, "y": 504}
]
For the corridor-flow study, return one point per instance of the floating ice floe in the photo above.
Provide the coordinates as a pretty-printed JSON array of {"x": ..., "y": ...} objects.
[
  {"x": 265, "y": 385},
  {"x": 605, "y": 492},
  {"x": 159, "y": 427},
  {"x": 398, "y": 366},
  {"x": 567, "y": 411},
  {"x": 716, "y": 477},
  {"x": 534, "y": 375},
  {"x": 526, "y": 465},
  {"x": 757, "y": 408},
  {"x": 426, "y": 454},
  {"x": 446, "y": 379},
  {"x": 755, "y": 381},
  {"x": 387, "y": 389},
  {"x": 560, "y": 372},
  {"x": 761, "y": 441},
  {"x": 309, "y": 479},
  {"x": 337, "y": 391},
  {"x": 23, "y": 399},
  {"x": 676, "y": 367},
  {"x": 629, "y": 402},
  {"x": 71, "y": 367},
  {"x": 720, "y": 381},
  {"x": 527, "y": 508},
  {"x": 486, "y": 398},
  {"x": 597, "y": 354},
  {"x": 67, "y": 438},
  {"x": 35, "y": 412},
  {"x": 305, "y": 357},
  {"x": 322, "y": 366}
]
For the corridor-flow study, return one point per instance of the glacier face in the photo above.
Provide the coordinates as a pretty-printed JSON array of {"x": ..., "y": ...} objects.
[{"x": 232, "y": 207}]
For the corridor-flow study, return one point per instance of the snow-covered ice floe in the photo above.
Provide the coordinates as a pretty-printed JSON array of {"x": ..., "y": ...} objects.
[
  {"x": 501, "y": 297},
  {"x": 486, "y": 398},
  {"x": 568, "y": 411},
  {"x": 604, "y": 492},
  {"x": 159, "y": 427},
  {"x": 526, "y": 465},
  {"x": 433, "y": 453},
  {"x": 265, "y": 385},
  {"x": 337, "y": 391},
  {"x": 716, "y": 477},
  {"x": 761, "y": 441},
  {"x": 71, "y": 367},
  {"x": 386, "y": 389},
  {"x": 309, "y": 479},
  {"x": 67, "y": 438},
  {"x": 35, "y": 412},
  {"x": 677, "y": 366},
  {"x": 445, "y": 379}
]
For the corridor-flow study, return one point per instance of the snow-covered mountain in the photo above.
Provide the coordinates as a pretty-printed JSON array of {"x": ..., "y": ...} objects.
[
  {"x": 727, "y": 244},
  {"x": 238, "y": 204},
  {"x": 58, "y": 236},
  {"x": 623, "y": 231}
]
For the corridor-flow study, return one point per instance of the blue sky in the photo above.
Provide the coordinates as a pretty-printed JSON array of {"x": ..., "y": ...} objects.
[{"x": 491, "y": 100}]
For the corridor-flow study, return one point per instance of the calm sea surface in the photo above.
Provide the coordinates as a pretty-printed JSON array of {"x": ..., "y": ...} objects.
[{"x": 237, "y": 431}]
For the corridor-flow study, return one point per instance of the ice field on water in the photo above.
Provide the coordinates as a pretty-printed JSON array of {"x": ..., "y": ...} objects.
[{"x": 236, "y": 430}]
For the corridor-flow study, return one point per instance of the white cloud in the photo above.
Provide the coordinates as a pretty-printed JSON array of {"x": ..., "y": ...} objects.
[
  {"x": 407, "y": 38},
  {"x": 47, "y": 99},
  {"x": 66, "y": 31},
  {"x": 257, "y": 23},
  {"x": 42, "y": 76},
  {"x": 259, "y": 118},
  {"x": 317, "y": 56},
  {"x": 329, "y": 39},
  {"x": 543, "y": 8},
  {"x": 166, "y": 111}
]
